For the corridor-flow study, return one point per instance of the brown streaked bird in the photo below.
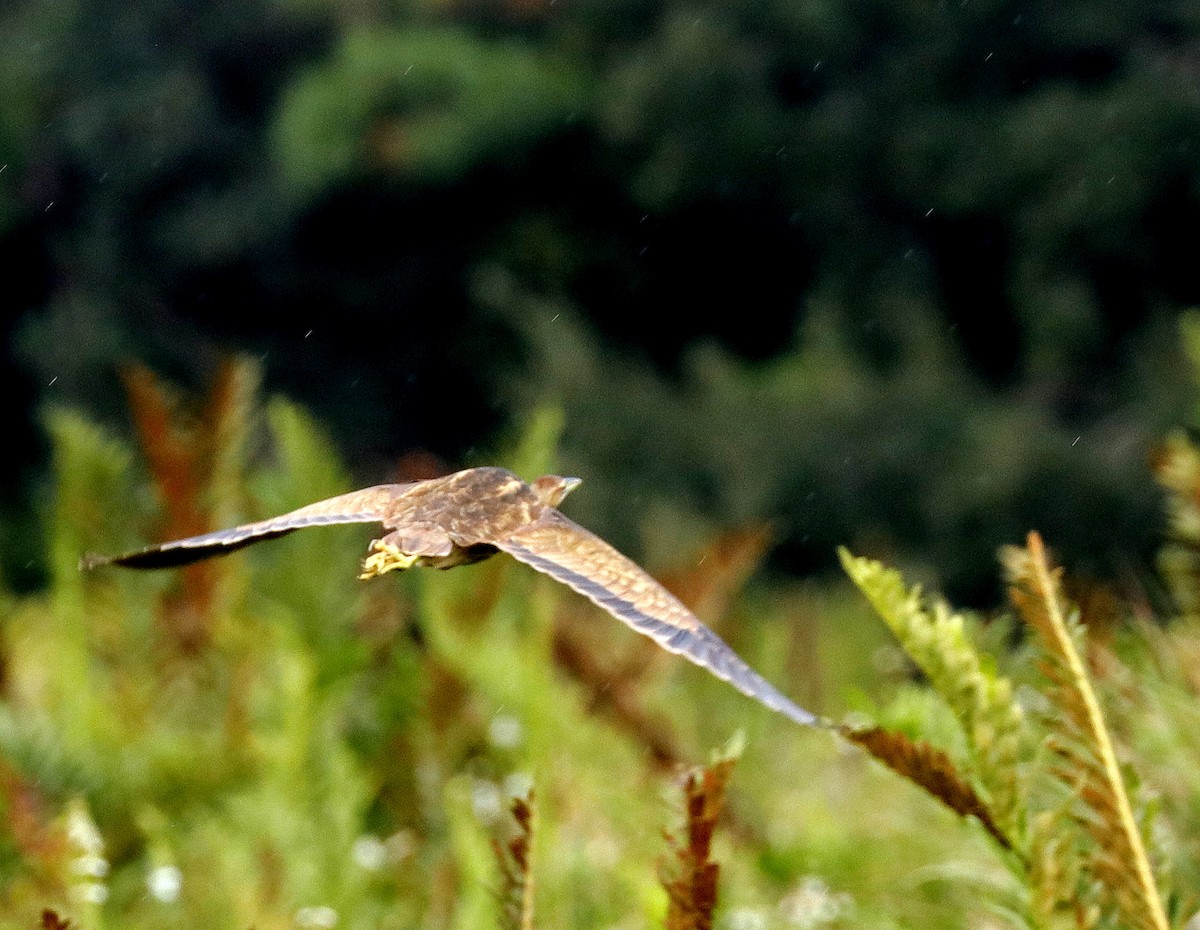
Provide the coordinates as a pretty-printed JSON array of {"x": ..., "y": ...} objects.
[{"x": 471, "y": 515}]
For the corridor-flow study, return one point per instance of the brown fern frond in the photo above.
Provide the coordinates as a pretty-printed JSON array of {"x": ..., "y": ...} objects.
[
  {"x": 1102, "y": 610},
  {"x": 928, "y": 768},
  {"x": 226, "y": 420},
  {"x": 707, "y": 587},
  {"x": 23, "y": 815},
  {"x": 170, "y": 448},
  {"x": 194, "y": 455},
  {"x": 690, "y": 875},
  {"x": 516, "y": 878},
  {"x": 612, "y": 697},
  {"x": 1087, "y": 761},
  {"x": 710, "y": 581},
  {"x": 170, "y": 444},
  {"x": 52, "y": 921},
  {"x": 195, "y": 461}
]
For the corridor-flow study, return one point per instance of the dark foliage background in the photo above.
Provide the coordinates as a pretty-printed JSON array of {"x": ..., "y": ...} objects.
[{"x": 896, "y": 274}]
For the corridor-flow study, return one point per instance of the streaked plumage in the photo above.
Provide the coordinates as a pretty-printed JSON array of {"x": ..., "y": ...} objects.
[{"x": 470, "y": 515}]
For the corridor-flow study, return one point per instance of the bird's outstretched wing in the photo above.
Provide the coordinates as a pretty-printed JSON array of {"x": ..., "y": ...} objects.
[
  {"x": 567, "y": 552},
  {"x": 370, "y": 505}
]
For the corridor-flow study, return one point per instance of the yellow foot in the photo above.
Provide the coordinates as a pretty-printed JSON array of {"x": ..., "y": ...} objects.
[{"x": 385, "y": 558}]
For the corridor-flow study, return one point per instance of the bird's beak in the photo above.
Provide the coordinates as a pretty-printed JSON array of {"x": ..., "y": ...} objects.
[
  {"x": 551, "y": 489},
  {"x": 568, "y": 485}
]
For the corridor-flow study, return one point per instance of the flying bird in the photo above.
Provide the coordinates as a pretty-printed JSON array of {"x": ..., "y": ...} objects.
[{"x": 471, "y": 515}]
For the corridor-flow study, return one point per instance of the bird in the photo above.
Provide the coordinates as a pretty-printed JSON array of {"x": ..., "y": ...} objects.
[{"x": 471, "y": 515}]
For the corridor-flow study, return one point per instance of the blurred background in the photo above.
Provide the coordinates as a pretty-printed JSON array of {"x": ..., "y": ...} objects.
[
  {"x": 902, "y": 275},
  {"x": 773, "y": 276}
]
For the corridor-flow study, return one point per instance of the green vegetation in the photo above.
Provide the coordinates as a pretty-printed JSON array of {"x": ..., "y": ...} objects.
[
  {"x": 426, "y": 105},
  {"x": 265, "y": 741}
]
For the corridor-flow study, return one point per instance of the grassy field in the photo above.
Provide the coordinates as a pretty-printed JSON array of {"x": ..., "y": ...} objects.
[{"x": 264, "y": 741}]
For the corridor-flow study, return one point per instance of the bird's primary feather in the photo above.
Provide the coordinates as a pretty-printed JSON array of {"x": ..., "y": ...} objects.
[
  {"x": 370, "y": 505},
  {"x": 578, "y": 558},
  {"x": 479, "y": 509}
]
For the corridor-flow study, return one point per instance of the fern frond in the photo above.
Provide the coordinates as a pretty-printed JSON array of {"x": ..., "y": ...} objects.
[
  {"x": 714, "y": 576},
  {"x": 1177, "y": 468},
  {"x": 928, "y": 768},
  {"x": 52, "y": 921},
  {"x": 91, "y": 470},
  {"x": 690, "y": 875},
  {"x": 1088, "y": 760},
  {"x": 612, "y": 695},
  {"x": 983, "y": 701},
  {"x": 516, "y": 877},
  {"x": 169, "y": 444},
  {"x": 1054, "y": 875},
  {"x": 196, "y": 462},
  {"x": 229, "y": 417},
  {"x": 46, "y": 756}
]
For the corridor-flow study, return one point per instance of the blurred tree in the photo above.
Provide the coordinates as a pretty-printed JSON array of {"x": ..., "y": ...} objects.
[
  {"x": 1009, "y": 190},
  {"x": 422, "y": 106}
]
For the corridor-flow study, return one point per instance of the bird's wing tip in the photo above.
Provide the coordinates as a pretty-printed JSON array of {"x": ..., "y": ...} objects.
[
  {"x": 808, "y": 718},
  {"x": 90, "y": 560}
]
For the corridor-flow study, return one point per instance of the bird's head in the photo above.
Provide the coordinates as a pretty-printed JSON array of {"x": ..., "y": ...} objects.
[{"x": 551, "y": 489}]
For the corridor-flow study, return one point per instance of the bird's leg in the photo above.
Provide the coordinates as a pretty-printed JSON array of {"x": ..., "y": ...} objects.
[{"x": 386, "y": 557}]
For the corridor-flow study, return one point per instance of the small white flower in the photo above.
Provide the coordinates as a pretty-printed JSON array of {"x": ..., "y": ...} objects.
[
  {"x": 746, "y": 918},
  {"x": 88, "y": 862},
  {"x": 164, "y": 882},
  {"x": 812, "y": 904},
  {"x": 321, "y": 915},
  {"x": 486, "y": 800},
  {"x": 505, "y": 731},
  {"x": 82, "y": 830},
  {"x": 518, "y": 784},
  {"x": 91, "y": 865},
  {"x": 90, "y": 892},
  {"x": 369, "y": 852}
]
